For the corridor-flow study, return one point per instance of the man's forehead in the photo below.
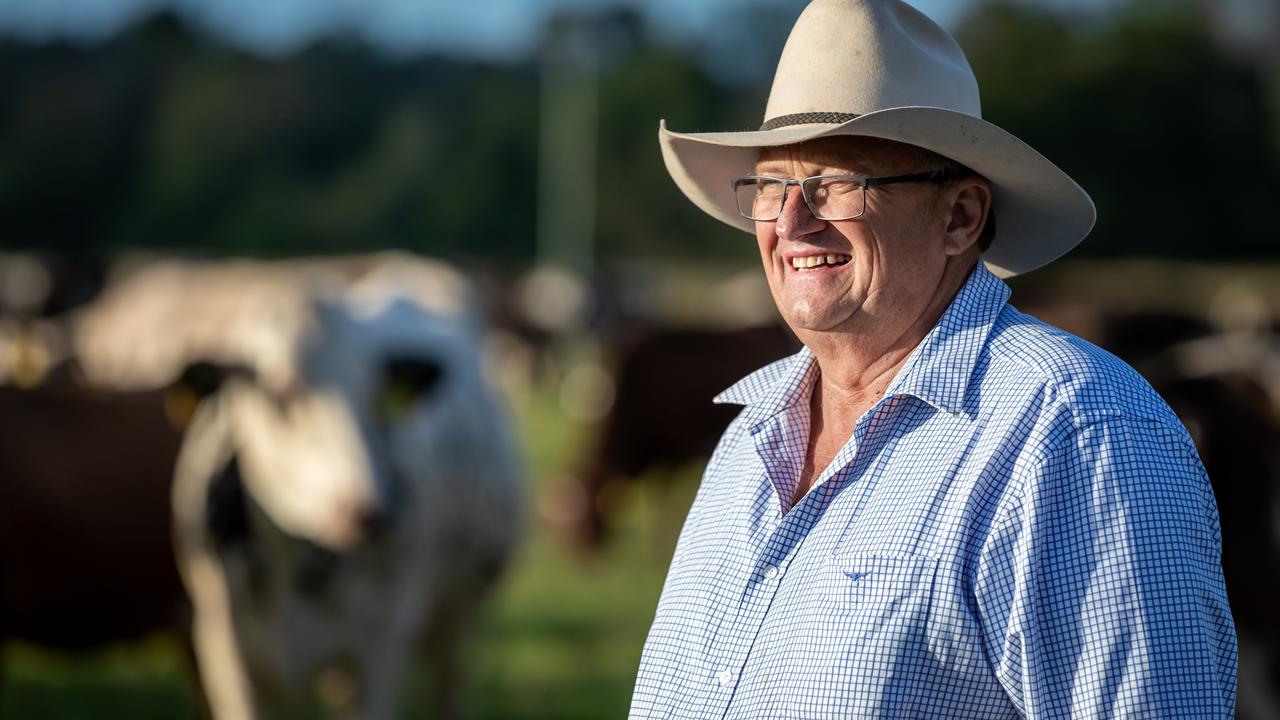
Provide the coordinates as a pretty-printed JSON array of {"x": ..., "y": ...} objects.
[{"x": 860, "y": 154}]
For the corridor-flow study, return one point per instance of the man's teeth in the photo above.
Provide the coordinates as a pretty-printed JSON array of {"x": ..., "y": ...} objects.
[{"x": 810, "y": 261}]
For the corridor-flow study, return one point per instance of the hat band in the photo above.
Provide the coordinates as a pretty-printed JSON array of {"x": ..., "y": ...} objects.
[{"x": 807, "y": 118}]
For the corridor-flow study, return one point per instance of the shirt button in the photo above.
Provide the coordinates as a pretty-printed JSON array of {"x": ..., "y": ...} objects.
[
  {"x": 771, "y": 572},
  {"x": 725, "y": 677}
]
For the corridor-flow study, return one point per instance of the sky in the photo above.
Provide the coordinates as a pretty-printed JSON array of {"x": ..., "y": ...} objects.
[
  {"x": 481, "y": 28},
  {"x": 474, "y": 29}
]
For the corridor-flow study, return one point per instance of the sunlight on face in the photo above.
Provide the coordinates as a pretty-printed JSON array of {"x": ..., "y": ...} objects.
[{"x": 846, "y": 275}]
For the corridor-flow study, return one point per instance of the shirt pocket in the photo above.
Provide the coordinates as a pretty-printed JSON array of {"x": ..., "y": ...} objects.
[{"x": 880, "y": 599}]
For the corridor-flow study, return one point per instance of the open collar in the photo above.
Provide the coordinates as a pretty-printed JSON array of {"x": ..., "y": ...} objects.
[{"x": 938, "y": 370}]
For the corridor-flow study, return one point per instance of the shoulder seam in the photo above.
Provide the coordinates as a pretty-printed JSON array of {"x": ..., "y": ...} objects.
[{"x": 1053, "y": 385}]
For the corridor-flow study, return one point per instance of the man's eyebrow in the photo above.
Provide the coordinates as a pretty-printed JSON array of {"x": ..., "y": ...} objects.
[
  {"x": 844, "y": 168},
  {"x": 781, "y": 170}
]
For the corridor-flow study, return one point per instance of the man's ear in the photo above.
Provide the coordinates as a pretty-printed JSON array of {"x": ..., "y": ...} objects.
[{"x": 969, "y": 204}]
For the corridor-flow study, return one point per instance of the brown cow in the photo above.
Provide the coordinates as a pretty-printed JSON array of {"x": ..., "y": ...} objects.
[
  {"x": 86, "y": 551},
  {"x": 84, "y": 513},
  {"x": 662, "y": 415}
]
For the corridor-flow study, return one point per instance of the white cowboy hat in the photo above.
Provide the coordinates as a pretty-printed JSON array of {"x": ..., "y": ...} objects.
[{"x": 882, "y": 69}]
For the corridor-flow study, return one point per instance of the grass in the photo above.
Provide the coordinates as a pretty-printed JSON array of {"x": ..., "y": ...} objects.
[
  {"x": 559, "y": 638},
  {"x": 149, "y": 680}
]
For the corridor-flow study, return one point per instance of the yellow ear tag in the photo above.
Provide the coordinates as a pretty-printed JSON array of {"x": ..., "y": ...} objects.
[
  {"x": 395, "y": 400},
  {"x": 30, "y": 362},
  {"x": 180, "y": 404}
]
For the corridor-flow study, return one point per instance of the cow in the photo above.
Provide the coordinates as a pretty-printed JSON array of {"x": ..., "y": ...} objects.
[
  {"x": 346, "y": 486},
  {"x": 86, "y": 557},
  {"x": 662, "y": 416},
  {"x": 86, "y": 529}
]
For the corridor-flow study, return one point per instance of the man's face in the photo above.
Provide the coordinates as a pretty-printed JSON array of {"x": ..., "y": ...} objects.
[{"x": 890, "y": 261}]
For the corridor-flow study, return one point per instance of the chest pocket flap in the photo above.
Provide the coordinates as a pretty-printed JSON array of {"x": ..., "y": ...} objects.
[{"x": 881, "y": 594}]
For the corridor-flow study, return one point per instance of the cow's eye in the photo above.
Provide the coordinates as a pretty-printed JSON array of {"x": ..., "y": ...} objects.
[{"x": 405, "y": 382}]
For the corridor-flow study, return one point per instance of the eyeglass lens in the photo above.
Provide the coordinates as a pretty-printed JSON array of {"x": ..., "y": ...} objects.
[{"x": 828, "y": 198}]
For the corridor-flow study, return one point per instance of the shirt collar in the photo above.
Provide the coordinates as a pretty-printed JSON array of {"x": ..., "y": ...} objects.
[
  {"x": 938, "y": 370},
  {"x": 773, "y": 388}
]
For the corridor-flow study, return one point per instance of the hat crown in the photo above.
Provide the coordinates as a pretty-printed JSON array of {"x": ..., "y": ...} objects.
[{"x": 860, "y": 56}]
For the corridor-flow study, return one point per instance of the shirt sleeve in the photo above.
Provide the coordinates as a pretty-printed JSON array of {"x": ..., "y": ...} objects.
[{"x": 1100, "y": 586}]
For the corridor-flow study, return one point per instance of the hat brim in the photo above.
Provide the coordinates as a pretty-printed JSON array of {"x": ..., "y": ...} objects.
[{"x": 1042, "y": 212}]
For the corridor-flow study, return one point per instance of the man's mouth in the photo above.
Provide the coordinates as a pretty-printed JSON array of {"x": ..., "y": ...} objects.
[{"x": 809, "y": 262}]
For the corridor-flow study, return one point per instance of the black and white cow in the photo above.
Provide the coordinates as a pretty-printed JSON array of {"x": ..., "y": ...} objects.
[{"x": 347, "y": 488}]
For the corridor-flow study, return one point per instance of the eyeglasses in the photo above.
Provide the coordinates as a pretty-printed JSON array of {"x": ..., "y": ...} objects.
[{"x": 829, "y": 197}]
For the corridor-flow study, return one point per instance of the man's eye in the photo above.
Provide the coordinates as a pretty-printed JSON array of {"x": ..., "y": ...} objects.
[
  {"x": 837, "y": 187},
  {"x": 768, "y": 189}
]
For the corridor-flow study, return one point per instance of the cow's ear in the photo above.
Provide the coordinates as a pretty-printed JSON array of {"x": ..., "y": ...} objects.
[{"x": 197, "y": 382}]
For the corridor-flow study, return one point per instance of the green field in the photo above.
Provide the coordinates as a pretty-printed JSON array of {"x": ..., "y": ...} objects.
[{"x": 560, "y": 638}]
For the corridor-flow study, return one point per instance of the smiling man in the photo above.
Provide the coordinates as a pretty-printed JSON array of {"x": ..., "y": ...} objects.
[{"x": 941, "y": 507}]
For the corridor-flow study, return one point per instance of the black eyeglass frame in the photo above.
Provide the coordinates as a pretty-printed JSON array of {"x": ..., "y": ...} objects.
[{"x": 863, "y": 182}]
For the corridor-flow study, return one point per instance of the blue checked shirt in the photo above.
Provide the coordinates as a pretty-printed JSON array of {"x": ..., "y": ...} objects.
[{"x": 1019, "y": 527}]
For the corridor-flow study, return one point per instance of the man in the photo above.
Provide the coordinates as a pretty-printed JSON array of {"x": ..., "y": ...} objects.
[{"x": 941, "y": 507}]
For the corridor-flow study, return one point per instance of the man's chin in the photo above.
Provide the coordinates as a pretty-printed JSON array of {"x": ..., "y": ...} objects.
[
  {"x": 804, "y": 317},
  {"x": 814, "y": 324}
]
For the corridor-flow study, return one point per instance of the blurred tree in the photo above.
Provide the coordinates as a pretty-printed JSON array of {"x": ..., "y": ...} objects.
[
  {"x": 642, "y": 213},
  {"x": 1171, "y": 135},
  {"x": 68, "y": 131},
  {"x": 161, "y": 139}
]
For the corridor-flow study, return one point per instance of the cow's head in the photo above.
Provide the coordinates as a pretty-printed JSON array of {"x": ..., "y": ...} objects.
[
  {"x": 341, "y": 404},
  {"x": 371, "y": 413},
  {"x": 325, "y": 456}
]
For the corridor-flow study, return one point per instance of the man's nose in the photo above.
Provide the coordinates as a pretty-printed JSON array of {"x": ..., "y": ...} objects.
[{"x": 796, "y": 220}]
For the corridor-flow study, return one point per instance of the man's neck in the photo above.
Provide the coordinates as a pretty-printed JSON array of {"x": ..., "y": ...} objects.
[
  {"x": 857, "y": 367},
  {"x": 853, "y": 374}
]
